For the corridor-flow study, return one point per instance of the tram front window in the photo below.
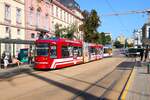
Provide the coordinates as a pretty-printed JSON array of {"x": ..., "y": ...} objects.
[{"x": 42, "y": 49}]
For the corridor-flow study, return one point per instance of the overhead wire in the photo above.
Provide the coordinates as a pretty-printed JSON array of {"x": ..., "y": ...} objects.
[{"x": 117, "y": 15}]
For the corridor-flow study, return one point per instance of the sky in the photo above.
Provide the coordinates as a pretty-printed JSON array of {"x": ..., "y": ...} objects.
[{"x": 118, "y": 25}]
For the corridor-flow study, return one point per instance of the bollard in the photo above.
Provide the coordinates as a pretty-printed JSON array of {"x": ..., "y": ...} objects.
[{"x": 148, "y": 68}]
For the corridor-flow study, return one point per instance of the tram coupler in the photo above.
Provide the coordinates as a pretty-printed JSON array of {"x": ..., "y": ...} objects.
[{"x": 148, "y": 68}]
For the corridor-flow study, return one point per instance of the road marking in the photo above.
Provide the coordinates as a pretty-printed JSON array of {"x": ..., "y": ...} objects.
[{"x": 124, "y": 94}]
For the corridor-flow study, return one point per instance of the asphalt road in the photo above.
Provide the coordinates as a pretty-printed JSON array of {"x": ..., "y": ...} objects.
[{"x": 103, "y": 79}]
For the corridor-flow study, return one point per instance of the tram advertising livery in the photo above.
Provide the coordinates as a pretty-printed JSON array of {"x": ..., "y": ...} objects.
[{"x": 58, "y": 53}]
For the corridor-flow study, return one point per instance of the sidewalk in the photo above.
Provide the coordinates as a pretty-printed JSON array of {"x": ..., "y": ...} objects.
[
  {"x": 6, "y": 73},
  {"x": 139, "y": 88}
]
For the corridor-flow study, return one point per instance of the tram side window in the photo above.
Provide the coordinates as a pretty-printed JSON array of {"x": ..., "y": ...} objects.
[
  {"x": 80, "y": 51},
  {"x": 65, "y": 52},
  {"x": 77, "y": 51},
  {"x": 70, "y": 49},
  {"x": 93, "y": 50},
  {"x": 53, "y": 51}
]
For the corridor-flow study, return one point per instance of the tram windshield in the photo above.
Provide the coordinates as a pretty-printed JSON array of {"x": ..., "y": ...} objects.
[{"x": 42, "y": 49}]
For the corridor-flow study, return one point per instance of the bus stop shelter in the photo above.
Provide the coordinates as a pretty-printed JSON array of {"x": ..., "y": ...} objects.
[{"x": 15, "y": 42}]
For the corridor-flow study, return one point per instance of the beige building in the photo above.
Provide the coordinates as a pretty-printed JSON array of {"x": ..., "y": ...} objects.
[
  {"x": 121, "y": 39},
  {"x": 12, "y": 22},
  {"x": 65, "y": 17}
]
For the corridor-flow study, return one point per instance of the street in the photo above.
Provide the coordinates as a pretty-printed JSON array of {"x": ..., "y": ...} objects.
[{"x": 103, "y": 79}]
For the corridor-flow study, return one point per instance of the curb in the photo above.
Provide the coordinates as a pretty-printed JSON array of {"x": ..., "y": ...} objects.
[{"x": 128, "y": 84}]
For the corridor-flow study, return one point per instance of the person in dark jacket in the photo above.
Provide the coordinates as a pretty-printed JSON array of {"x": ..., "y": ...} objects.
[
  {"x": 146, "y": 53},
  {"x": 141, "y": 53}
]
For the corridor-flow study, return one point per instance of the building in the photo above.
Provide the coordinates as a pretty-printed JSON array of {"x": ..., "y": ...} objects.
[
  {"x": 37, "y": 17},
  {"x": 130, "y": 41},
  {"x": 12, "y": 23},
  {"x": 121, "y": 39},
  {"x": 42, "y": 16},
  {"x": 64, "y": 16},
  {"x": 137, "y": 38},
  {"x": 146, "y": 34}
]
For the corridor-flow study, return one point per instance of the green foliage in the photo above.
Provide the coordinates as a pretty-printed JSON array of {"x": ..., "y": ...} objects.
[
  {"x": 90, "y": 24},
  {"x": 65, "y": 32},
  {"x": 117, "y": 44},
  {"x": 70, "y": 32}
]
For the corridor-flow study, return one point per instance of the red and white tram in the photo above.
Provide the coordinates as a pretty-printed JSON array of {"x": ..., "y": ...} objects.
[
  {"x": 92, "y": 51},
  {"x": 57, "y": 53}
]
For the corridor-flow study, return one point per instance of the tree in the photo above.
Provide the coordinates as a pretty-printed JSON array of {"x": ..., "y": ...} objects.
[
  {"x": 117, "y": 44},
  {"x": 70, "y": 31},
  {"x": 108, "y": 39},
  {"x": 58, "y": 31},
  {"x": 90, "y": 24}
]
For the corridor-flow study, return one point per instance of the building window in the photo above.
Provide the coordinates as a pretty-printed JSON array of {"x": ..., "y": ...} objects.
[
  {"x": 46, "y": 22},
  {"x": 67, "y": 18},
  {"x": 7, "y": 30},
  {"x": 60, "y": 14},
  {"x": 7, "y": 12},
  {"x": 18, "y": 15},
  {"x": 52, "y": 10},
  {"x": 30, "y": 17},
  {"x": 38, "y": 18},
  {"x": 56, "y": 11},
  {"x": 33, "y": 35},
  {"x": 149, "y": 32},
  {"x": 64, "y": 16},
  {"x": 18, "y": 31}
]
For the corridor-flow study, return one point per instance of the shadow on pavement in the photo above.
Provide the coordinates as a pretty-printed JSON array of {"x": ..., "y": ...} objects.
[
  {"x": 126, "y": 66},
  {"x": 64, "y": 87}
]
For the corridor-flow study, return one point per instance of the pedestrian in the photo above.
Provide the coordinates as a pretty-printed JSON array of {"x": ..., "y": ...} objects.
[
  {"x": 146, "y": 53},
  {"x": 6, "y": 60},
  {"x": 141, "y": 53}
]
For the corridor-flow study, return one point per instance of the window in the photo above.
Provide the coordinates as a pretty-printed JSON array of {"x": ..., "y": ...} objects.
[
  {"x": 65, "y": 52},
  {"x": 52, "y": 10},
  {"x": 70, "y": 49},
  {"x": 7, "y": 30},
  {"x": 56, "y": 11},
  {"x": 32, "y": 35},
  {"x": 30, "y": 17},
  {"x": 64, "y": 16},
  {"x": 38, "y": 18},
  {"x": 18, "y": 15},
  {"x": 7, "y": 12},
  {"x": 60, "y": 14},
  {"x": 67, "y": 18},
  {"x": 42, "y": 49},
  {"x": 53, "y": 52},
  {"x": 149, "y": 32},
  {"x": 18, "y": 31},
  {"x": 46, "y": 22}
]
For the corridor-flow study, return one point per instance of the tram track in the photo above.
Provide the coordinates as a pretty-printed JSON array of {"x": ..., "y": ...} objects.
[
  {"x": 108, "y": 90},
  {"x": 68, "y": 79}
]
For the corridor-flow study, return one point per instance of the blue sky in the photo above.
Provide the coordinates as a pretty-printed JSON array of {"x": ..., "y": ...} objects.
[{"x": 122, "y": 24}]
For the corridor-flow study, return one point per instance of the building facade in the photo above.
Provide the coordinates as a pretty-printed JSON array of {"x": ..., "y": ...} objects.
[
  {"x": 121, "y": 39},
  {"x": 42, "y": 16},
  {"x": 12, "y": 22},
  {"x": 37, "y": 17},
  {"x": 64, "y": 16}
]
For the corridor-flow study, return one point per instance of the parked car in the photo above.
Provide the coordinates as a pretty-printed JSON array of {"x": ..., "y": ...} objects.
[{"x": 133, "y": 52}]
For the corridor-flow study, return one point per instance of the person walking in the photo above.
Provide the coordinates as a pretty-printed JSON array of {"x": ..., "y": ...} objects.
[
  {"x": 141, "y": 53},
  {"x": 146, "y": 53},
  {"x": 6, "y": 60}
]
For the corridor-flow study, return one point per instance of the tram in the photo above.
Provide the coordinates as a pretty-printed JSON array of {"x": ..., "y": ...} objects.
[
  {"x": 107, "y": 51},
  {"x": 57, "y": 53}
]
